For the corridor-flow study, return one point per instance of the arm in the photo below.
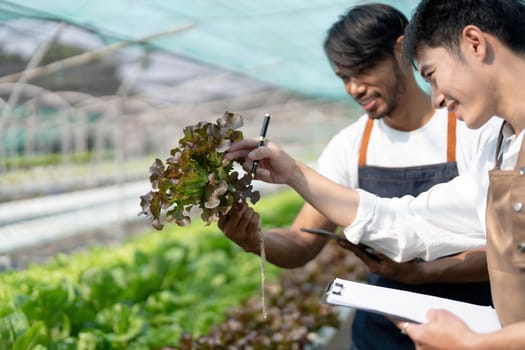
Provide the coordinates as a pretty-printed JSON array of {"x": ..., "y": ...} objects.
[
  {"x": 465, "y": 267},
  {"x": 401, "y": 228},
  {"x": 288, "y": 248},
  {"x": 445, "y": 331}
]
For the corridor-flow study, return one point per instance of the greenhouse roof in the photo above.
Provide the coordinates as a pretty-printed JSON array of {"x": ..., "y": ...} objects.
[{"x": 275, "y": 41}]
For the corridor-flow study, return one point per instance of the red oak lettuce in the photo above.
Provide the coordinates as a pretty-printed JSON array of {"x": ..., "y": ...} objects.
[{"x": 197, "y": 175}]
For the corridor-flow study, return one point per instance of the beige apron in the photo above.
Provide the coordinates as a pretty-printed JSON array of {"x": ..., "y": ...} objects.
[{"x": 506, "y": 238}]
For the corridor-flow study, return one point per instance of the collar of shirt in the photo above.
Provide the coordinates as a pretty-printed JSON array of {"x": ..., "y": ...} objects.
[{"x": 510, "y": 147}]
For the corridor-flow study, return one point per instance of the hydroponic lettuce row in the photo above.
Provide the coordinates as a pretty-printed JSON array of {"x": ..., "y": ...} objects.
[{"x": 197, "y": 174}]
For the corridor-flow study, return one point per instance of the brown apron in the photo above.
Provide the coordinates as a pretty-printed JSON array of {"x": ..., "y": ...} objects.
[{"x": 506, "y": 238}]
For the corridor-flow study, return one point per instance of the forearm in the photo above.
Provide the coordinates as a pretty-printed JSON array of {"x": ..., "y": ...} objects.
[
  {"x": 466, "y": 267},
  {"x": 444, "y": 330},
  {"x": 338, "y": 203},
  {"x": 508, "y": 338},
  {"x": 285, "y": 249}
]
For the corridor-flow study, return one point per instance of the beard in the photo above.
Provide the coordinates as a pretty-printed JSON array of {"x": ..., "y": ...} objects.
[{"x": 394, "y": 95}]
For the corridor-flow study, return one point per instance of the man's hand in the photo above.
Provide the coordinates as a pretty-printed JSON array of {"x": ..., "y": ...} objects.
[
  {"x": 241, "y": 225},
  {"x": 275, "y": 165},
  {"x": 406, "y": 272},
  {"x": 443, "y": 331}
]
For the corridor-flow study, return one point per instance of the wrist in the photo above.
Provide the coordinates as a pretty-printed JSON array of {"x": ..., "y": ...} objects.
[
  {"x": 297, "y": 177},
  {"x": 473, "y": 341},
  {"x": 254, "y": 247},
  {"x": 251, "y": 243}
]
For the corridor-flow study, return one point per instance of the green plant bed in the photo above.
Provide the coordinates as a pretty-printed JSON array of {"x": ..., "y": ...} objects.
[
  {"x": 51, "y": 159},
  {"x": 297, "y": 319},
  {"x": 144, "y": 294}
]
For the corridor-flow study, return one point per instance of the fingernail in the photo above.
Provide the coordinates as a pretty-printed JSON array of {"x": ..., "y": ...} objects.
[{"x": 251, "y": 154}]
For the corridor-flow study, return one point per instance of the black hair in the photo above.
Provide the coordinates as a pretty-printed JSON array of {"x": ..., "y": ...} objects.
[
  {"x": 439, "y": 23},
  {"x": 364, "y": 36}
]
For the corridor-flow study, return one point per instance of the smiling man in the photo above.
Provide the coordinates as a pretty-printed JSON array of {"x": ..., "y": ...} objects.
[
  {"x": 483, "y": 48},
  {"x": 472, "y": 52},
  {"x": 400, "y": 146}
]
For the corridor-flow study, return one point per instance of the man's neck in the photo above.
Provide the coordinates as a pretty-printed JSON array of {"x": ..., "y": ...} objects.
[
  {"x": 511, "y": 99},
  {"x": 414, "y": 110}
]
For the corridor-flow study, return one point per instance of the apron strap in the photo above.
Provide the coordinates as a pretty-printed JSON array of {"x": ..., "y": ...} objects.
[
  {"x": 364, "y": 142},
  {"x": 451, "y": 137},
  {"x": 520, "y": 163},
  {"x": 499, "y": 155}
]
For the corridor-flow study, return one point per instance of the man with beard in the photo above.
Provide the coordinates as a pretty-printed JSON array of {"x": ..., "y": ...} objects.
[{"x": 402, "y": 145}]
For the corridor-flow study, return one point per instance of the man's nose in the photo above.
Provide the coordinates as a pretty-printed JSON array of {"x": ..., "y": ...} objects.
[
  {"x": 355, "y": 87},
  {"x": 438, "y": 100}
]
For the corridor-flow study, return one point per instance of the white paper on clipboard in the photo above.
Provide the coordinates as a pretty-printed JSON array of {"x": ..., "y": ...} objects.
[{"x": 408, "y": 305}]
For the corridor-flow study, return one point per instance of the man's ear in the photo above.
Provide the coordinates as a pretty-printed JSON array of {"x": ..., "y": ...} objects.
[
  {"x": 473, "y": 42},
  {"x": 397, "y": 47}
]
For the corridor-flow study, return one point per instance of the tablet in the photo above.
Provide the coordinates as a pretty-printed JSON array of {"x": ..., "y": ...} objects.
[
  {"x": 324, "y": 233},
  {"x": 332, "y": 235}
]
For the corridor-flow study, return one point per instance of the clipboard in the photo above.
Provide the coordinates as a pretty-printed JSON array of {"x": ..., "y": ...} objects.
[{"x": 406, "y": 305}]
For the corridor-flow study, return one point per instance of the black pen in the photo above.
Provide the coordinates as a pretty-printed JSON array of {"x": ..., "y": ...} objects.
[{"x": 262, "y": 136}]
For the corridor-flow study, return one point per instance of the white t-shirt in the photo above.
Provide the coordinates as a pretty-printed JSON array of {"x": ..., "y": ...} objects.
[{"x": 397, "y": 230}]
